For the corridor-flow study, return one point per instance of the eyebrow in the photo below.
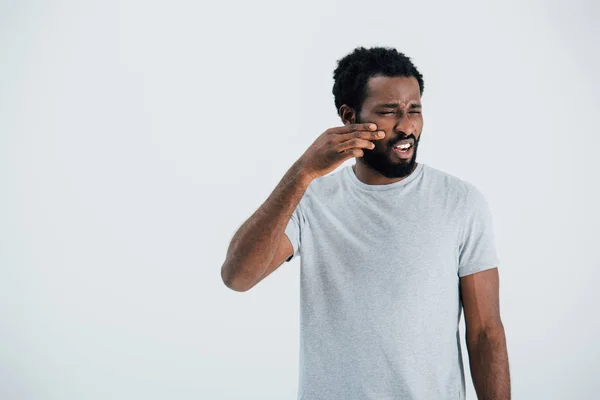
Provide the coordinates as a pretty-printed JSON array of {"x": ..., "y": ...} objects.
[{"x": 394, "y": 105}]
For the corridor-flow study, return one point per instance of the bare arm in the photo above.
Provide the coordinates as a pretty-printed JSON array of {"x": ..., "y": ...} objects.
[
  {"x": 485, "y": 338},
  {"x": 256, "y": 242},
  {"x": 489, "y": 365},
  {"x": 260, "y": 246}
]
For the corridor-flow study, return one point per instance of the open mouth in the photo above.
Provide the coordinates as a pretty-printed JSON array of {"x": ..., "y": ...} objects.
[{"x": 404, "y": 149}]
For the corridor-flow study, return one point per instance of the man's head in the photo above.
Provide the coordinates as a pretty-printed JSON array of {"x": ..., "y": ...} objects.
[{"x": 382, "y": 85}]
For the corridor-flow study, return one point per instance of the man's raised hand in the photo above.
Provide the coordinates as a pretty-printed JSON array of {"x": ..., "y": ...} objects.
[{"x": 336, "y": 145}]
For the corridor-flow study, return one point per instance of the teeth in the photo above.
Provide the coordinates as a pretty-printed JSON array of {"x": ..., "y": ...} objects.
[{"x": 404, "y": 146}]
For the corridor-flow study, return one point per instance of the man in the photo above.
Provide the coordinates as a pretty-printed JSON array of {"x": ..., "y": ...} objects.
[{"x": 391, "y": 251}]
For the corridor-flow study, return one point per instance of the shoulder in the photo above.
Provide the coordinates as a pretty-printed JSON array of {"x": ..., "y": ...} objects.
[
  {"x": 321, "y": 190},
  {"x": 448, "y": 183},
  {"x": 327, "y": 184},
  {"x": 455, "y": 189}
]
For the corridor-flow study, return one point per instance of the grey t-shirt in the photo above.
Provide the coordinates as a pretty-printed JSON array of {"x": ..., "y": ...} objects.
[{"x": 379, "y": 283}]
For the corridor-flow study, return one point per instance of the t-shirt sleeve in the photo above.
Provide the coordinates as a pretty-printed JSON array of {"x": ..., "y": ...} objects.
[
  {"x": 293, "y": 230},
  {"x": 477, "y": 249}
]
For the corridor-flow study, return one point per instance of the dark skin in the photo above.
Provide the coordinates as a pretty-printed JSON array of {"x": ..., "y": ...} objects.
[
  {"x": 394, "y": 104},
  {"x": 485, "y": 337},
  {"x": 259, "y": 246}
]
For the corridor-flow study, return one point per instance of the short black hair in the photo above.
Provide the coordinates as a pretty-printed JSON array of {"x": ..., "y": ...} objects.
[{"x": 354, "y": 70}]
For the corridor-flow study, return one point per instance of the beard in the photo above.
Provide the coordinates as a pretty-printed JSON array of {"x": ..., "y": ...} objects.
[{"x": 384, "y": 160}]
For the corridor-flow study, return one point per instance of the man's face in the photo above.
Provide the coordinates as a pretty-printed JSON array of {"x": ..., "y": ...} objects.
[{"x": 394, "y": 104}]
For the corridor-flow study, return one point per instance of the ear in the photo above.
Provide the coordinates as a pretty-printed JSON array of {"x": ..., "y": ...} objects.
[{"x": 347, "y": 114}]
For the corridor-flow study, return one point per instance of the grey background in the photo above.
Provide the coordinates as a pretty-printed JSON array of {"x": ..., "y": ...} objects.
[{"x": 136, "y": 137}]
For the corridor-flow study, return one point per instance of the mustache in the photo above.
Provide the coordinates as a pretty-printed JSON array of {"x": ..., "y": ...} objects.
[{"x": 399, "y": 139}]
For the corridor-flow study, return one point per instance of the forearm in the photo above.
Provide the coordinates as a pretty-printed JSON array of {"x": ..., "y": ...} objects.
[
  {"x": 488, "y": 359},
  {"x": 254, "y": 244}
]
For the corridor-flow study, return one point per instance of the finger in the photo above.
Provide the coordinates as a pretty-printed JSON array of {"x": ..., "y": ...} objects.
[
  {"x": 354, "y": 143},
  {"x": 350, "y": 153},
  {"x": 368, "y": 126},
  {"x": 377, "y": 135}
]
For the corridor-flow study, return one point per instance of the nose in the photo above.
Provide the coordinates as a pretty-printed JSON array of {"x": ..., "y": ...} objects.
[{"x": 405, "y": 125}]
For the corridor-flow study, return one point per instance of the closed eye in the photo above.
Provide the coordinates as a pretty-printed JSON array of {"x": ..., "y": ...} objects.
[{"x": 393, "y": 112}]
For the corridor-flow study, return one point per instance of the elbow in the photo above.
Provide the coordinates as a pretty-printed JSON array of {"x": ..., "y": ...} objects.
[
  {"x": 491, "y": 332},
  {"x": 231, "y": 281}
]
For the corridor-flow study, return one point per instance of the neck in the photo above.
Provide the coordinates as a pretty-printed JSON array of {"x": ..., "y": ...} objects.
[{"x": 367, "y": 175}]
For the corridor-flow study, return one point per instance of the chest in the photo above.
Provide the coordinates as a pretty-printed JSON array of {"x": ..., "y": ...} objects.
[{"x": 385, "y": 245}]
